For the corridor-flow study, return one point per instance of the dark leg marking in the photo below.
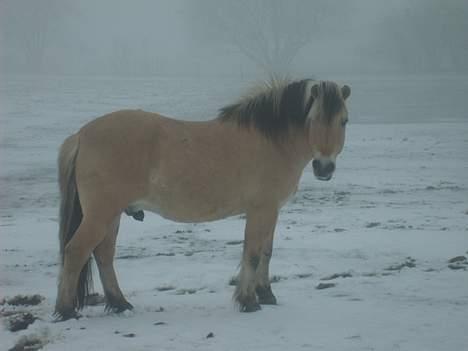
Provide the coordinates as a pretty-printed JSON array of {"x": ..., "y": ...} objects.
[
  {"x": 254, "y": 261},
  {"x": 249, "y": 304},
  {"x": 66, "y": 315},
  {"x": 117, "y": 305},
  {"x": 265, "y": 295}
]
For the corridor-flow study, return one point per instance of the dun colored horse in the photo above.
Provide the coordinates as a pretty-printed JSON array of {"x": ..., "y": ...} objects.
[{"x": 248, "y": 161}]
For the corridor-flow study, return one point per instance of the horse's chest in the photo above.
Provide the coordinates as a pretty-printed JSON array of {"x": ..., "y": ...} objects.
[
  {"x": 289, "y": 193},
  {"x": 280, "y": 187}
]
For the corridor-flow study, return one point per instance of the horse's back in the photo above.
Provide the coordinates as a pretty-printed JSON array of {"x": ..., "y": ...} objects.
[{"x": 118, "y": 124}]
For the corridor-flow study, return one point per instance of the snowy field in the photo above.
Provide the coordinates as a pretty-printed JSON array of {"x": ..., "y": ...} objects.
[{"x": 381, "y": 232}]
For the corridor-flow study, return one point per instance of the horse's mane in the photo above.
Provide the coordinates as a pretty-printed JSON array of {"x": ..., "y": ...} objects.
[{"x": 277, "y": 106}]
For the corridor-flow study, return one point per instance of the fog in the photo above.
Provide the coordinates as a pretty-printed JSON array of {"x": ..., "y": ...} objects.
[
  {"x": 375, "y": 258},
  {"x": 241, "y": 39}
]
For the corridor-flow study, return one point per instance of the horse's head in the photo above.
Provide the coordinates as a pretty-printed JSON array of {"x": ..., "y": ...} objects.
[{"x": 327, "y": 122}]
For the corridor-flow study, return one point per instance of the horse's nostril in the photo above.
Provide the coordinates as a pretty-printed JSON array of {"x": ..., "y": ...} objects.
[{"x": 323, "y": 167}]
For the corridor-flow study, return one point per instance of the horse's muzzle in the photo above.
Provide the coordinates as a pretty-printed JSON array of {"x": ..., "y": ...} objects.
[{"x": 323, "y": 169}]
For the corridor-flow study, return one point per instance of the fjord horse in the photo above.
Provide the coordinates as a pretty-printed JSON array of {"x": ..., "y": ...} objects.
[{"x": 248, "y": 161}]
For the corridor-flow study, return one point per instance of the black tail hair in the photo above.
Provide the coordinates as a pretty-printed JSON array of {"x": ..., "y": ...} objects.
[{"x": 71, "y": 215}]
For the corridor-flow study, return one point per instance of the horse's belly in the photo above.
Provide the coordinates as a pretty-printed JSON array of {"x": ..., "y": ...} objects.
[
  {"x": 188, "y": 209},
  {"x": 198, "y": 195}
]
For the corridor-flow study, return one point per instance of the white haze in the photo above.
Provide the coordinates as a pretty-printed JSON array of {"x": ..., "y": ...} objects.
[
  {"x": 383, "y": 230},
  {"x": 185, "y": 37}
]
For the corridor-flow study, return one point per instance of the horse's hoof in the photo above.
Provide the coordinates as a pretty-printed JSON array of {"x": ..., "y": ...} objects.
[
  {"x": 119, "y": 307},
  {"x": 265, "y": 296},
  {"x": 250, "y": 307},
  {"x": 270, "y": 300},
  {"x": 62, "y": 316}
]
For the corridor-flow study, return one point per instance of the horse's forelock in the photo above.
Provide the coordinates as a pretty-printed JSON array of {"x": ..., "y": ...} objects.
[{"x": 330, "y": 100}]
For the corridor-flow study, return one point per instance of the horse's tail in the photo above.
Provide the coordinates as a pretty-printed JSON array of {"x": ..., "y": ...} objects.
[{"x": 70, "y": 212}]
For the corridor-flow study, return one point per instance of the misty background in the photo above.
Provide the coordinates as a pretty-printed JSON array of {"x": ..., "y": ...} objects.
[
  {"x": 233, "y": 38},
  {"x": 405, "y": 60},
  {"x": 391, "y": 227},
  {"x": 65, "y": 62}
]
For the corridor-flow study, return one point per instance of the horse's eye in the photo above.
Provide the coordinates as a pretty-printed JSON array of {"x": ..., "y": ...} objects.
[{"x": 343, "y": 122}]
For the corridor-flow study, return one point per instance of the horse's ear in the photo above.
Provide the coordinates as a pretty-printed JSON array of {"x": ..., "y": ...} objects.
[
  {"x": 314, "y": 91},
  {"x": 345, "y": 91}
]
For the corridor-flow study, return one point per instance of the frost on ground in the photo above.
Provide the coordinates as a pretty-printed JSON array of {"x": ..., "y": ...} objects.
[{"x": 375, "y": 259}]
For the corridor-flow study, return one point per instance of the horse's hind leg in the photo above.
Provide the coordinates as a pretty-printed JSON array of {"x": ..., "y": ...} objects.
[
  {"x": 263, "y": 286},
  {"x": 260, "y": 225},
  {"x": 104, "y": 255},
  {"x": 76, "y": 253}
]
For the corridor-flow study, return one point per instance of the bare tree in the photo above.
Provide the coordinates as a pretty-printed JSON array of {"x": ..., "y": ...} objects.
[{"x": 271, "y": 33}]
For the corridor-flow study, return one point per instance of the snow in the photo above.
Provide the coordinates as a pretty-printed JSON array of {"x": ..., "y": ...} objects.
[{"x": 400, "y": 191}]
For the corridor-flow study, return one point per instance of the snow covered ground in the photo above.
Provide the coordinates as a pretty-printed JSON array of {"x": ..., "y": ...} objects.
[{"x": 387, "y": 224}]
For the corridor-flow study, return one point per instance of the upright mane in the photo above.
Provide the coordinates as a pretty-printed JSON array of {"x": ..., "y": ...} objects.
[
  {"x": 279, "y": 106},
  {"x": 272, "y": 109}
]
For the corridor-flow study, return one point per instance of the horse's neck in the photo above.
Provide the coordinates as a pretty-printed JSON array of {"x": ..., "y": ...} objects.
[
  {"x": 293, "y": 150},
  {"x": 296, "y": 148}
]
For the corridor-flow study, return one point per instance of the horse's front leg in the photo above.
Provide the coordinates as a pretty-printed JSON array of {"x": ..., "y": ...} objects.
[
  {"x": 263, "y": 286},
  {"x": 260, "y": 225}
]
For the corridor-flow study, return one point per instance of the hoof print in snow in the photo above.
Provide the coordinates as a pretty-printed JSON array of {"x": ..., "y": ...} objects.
[
  {"x": 165, "y": 288},
  {"x": 234, "y": 242},
  {"x": 28, "y": 343},
  {"x": 210, "y": 335},
  {"x": 181, "y": 231},
  {"x": 458, "y": 262},
  {"x": 23, "y": 300},
  {"x": 322, "y": 286},
  {"x": 185, "y": 291},
  {"x": 372, "y": 224},
  {"x": 409, "y": 263},
  {"x": 458, "y": 259},
  {"x": 129, "y": 335},
  {"x": 20, "y": 321},
  {"x": 304, "y": 275},
  {"x": 337, "y": 275}
]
